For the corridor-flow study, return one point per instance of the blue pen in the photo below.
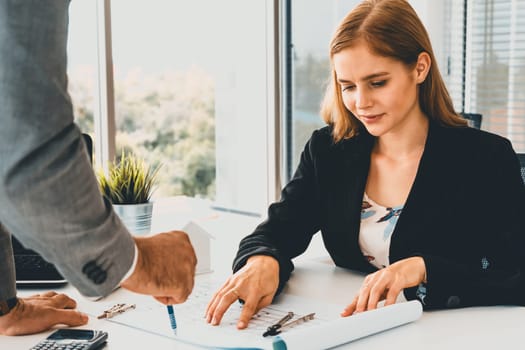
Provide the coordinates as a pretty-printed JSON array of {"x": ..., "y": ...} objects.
[{"x": 173, "y": 321}]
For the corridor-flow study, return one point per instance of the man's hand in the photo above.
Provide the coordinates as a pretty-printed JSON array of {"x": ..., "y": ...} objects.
[
  {"x": 255, "y": 283},
  {"x": 165, "y": 267},
  {"x": 39, "y": 313}
]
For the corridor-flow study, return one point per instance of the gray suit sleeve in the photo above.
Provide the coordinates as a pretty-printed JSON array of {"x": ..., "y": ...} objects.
[{"x": 49, "y": 197}]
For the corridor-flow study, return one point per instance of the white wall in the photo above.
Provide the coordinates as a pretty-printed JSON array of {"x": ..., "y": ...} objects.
[
  {"x": 242, "y": 109},
  {"x": 432, "y": 14}
]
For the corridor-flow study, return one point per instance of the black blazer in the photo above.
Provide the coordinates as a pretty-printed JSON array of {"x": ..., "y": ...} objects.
[{"x": 464, "y": 215}]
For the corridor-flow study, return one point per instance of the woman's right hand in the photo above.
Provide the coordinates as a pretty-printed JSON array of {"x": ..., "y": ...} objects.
[{"x": 255, "y": 283}]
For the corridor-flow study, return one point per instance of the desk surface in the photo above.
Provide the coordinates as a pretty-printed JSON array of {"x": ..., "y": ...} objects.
[{"x": 317, "y": 278}]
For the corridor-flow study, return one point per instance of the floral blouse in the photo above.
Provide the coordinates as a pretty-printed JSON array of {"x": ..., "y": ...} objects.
[{"x": 377, "y": 225}]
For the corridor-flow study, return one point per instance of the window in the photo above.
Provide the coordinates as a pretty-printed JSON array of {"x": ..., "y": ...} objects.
[
  {"x": 195, "y": 83},
  {"x": 165, "y": 92},
  {"x": 495, "y": 78},
  {"x": 486, "y": 63},
  {"x": 192, "y": 88},
  {"x": 309, "y": 68}
]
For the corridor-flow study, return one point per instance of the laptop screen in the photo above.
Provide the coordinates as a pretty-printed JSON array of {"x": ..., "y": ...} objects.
[{"x": 19, "y": 249}]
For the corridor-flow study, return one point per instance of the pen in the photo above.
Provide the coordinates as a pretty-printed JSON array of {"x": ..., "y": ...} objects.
[{"x": 173, "y": 321}]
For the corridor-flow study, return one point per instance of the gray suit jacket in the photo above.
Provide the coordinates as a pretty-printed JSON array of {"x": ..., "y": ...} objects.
[{"x": 49, "y": 197}]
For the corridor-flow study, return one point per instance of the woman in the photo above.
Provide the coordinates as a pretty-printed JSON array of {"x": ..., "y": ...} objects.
[{"x": 397, "y": 184}]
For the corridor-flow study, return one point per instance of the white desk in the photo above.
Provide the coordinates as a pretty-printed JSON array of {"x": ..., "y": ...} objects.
[
  {"x": 317, "y": 278},
  {"x": 469, "y": 328}
]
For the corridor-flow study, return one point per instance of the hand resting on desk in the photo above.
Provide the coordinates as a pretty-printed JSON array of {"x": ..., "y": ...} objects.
[
  {"x": 255, "y": 283},
  {"x": 386, "y": 284},
  {"x": 39, "y": 313}
]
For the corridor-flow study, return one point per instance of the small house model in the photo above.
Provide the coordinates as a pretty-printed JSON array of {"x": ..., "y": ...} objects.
[{"x": 201, "y": 241}]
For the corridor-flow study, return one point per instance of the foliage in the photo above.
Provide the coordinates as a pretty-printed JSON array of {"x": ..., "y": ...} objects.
[
  {"x": 169, "y": 118},
  {"x": 166, "y": 118},
  {"x": 129, "y": 181}
]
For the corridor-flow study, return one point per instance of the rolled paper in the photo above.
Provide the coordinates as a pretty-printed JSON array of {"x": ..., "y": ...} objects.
[{"x": 347, "y": 329}]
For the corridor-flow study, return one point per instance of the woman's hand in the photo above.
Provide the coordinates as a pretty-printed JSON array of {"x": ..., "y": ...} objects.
[
  {"x": 39, "y": 313},
  {"x": 255, "y": 283},
  {"x": 386, "y": 284}
]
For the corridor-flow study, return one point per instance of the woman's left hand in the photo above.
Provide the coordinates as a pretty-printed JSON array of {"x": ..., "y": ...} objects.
[{"x": 386, "y": 284}]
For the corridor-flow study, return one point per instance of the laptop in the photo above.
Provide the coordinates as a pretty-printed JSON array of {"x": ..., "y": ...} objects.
[{"x": 32, "y": 270}]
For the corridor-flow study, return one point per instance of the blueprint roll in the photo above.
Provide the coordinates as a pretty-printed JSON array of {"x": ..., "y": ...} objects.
[{"x": 347, "y": 329}]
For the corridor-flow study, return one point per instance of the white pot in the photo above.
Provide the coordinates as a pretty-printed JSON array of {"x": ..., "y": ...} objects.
[{"x": 136, "y": 217}]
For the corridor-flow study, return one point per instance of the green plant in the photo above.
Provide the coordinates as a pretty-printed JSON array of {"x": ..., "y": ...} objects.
[{"x": 130, "y": 181}]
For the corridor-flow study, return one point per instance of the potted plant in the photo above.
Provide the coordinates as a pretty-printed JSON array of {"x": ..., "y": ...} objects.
[{"x": 128, "y": 185}]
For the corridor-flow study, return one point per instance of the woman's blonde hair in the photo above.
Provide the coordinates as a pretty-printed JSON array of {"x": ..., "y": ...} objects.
[{"x": 391, "y": 28}]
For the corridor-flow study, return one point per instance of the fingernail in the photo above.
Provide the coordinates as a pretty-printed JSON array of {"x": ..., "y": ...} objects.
[
  {"x": 241, "y": 324},
  {"x": 214, "y": 321}
]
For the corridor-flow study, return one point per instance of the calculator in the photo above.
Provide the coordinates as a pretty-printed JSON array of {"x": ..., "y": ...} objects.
[{"x": 73, "y": 339}]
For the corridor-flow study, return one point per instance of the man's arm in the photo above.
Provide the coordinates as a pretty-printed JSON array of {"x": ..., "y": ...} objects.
[{"x": 48, "y": 194}]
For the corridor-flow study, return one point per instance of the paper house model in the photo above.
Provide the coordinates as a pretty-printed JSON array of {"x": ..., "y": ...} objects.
[{"x": 200, "y": 239}]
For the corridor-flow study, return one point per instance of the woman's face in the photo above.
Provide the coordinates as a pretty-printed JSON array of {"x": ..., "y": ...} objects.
[{"x": 381, "y": 92}]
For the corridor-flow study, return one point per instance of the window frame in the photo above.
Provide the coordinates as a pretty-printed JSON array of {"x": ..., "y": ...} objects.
[
  {"x": 104, "y": 111},
  {"x": 105, "y": 115}
]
